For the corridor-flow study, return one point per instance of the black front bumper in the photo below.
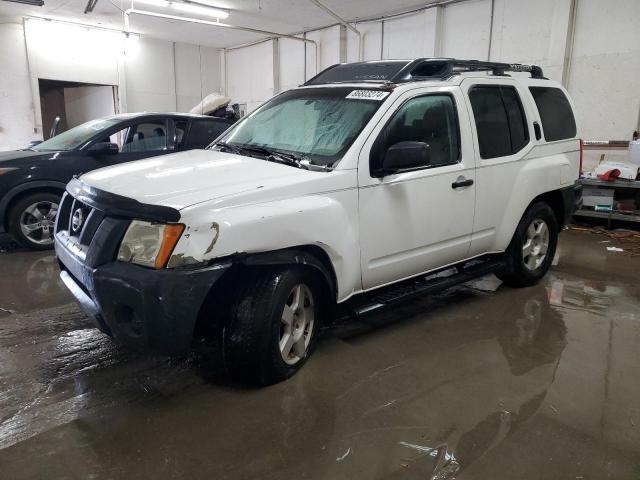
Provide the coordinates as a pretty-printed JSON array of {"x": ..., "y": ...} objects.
[{"x": 149, "y": 310}]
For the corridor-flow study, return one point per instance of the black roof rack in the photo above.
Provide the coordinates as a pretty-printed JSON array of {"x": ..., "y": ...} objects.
[{"x": 402, "y": 71}]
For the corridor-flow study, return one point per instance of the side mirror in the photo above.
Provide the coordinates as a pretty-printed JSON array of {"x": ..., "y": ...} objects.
[
  {"x": 404, "y": 156},
  {"x": 104, "y": 148}
]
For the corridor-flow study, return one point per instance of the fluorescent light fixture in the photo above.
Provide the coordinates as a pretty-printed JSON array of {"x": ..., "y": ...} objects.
[
  {"x": 199, "y": 9},
  {"x": 157, "y": 3},
  {"x": 35, "y": 3}
]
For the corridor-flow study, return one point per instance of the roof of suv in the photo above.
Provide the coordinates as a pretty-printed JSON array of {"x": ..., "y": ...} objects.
[{"x": 391, "y": 72}]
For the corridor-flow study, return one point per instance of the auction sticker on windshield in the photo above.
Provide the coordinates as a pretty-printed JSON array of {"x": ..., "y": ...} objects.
[{"x": 367, "y": 95}]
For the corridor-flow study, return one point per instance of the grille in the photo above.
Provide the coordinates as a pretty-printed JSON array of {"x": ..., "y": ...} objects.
[{"x": 78, "y": 220}]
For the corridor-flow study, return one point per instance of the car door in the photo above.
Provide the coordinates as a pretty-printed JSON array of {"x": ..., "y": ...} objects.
[
  {"x": 417, "y": 220},
  {"x": 138, "y": 140},
  {"x": 502, "y": 139}
]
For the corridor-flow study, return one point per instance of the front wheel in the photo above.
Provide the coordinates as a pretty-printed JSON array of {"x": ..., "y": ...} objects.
[
  {"x": 532, "y": 248},
  {"x": 273, "y": 325},
  {"x": 32, "y": 220}
]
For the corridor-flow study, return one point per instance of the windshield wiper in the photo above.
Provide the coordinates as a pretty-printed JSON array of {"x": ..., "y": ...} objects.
[
  {"x": 228, "y": 147},
  {"x": 270, "y": 155}
]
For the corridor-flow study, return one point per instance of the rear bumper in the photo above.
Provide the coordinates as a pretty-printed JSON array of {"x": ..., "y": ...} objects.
[
  {"x": 145, "y": 309},
  {"x": 572, "y": 201}
]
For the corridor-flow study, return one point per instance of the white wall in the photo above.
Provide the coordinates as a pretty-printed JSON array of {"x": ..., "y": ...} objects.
[
  {"x": 17, "y": 121},
  {"x": 150, "y": 75},
  {"x": 465, "y": 29},
  {"x": 292, "y": 66},
  {"x": 604, "y": 78},
  {"x": 604, "y": 71},
  {"x": 250, "y": 74},
  {"x": 410, "y": 36}
]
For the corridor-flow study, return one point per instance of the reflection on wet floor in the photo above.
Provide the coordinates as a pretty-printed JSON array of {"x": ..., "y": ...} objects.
[
  {"x": 482, "y": 381},
  {"x": 29, "y": 281}
]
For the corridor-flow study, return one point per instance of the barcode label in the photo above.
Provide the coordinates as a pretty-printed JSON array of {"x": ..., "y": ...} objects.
[{"x": 367, "y": 95}]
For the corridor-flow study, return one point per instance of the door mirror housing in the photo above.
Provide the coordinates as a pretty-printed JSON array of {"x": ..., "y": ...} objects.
[
  {"x": 405, "y": 156},
  {"x": 104, "y": 148}
]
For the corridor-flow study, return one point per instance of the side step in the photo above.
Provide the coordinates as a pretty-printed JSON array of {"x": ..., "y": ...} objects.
[{"x": 430, "y": 284}]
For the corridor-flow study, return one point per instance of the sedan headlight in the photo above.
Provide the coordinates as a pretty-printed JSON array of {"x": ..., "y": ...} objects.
[{"x": 149, "y": 244}]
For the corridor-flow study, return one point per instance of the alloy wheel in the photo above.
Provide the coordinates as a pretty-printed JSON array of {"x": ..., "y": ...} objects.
[
  {"x": 37, "y": 222},
  {"x": 536, "y": 244},
  {"x": 297, "y": 322}
]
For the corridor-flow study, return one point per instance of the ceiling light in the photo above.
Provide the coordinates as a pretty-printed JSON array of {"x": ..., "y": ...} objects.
[
  {"x": 206, "y": 3},
  {"x": 157, "y": 3},
  {"x": 35, "y": 3},
  {"x": 199, "y": 9},
  {"x": 196, "y": 8}
]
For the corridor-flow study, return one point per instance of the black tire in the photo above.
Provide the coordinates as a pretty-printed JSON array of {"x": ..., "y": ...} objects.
[
  {"x": 17, "y": 213},
  {"x": 251, "y": 337},
  {"x": 521, "y": 270}
]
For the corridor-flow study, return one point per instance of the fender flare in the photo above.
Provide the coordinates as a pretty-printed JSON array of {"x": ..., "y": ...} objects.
[
  {"x": 291, "y": 256},
  {"x": 24, "y": 187}
]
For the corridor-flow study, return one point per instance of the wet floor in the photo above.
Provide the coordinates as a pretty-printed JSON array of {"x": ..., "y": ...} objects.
[{"x": 482, "y": 382}]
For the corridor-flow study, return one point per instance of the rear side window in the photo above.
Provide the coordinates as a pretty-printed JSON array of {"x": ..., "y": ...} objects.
[
  {"x": 558, "y": 122},
  {"x": 203, "y": 132},
  {"x": 500, "y": 120}
]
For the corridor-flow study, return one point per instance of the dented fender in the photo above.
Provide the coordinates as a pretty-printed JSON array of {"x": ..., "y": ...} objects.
[{"x": 326, "y": 220}]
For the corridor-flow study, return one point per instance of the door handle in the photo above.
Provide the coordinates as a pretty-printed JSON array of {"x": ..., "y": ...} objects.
[{"x": 462, "y": 182}]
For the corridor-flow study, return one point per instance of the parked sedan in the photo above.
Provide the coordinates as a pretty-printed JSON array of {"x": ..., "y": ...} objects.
[{"x": 33, "y": 180}]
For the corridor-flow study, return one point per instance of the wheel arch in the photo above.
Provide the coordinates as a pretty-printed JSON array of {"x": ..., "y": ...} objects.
[
  {"x": 313, "y": 257},
  {"x": 556, "y": 202},
  {"x": 16, "y": 193}
]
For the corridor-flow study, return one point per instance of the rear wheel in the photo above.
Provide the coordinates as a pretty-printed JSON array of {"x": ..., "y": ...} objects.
[
  {"x": 532, "y": 248},
  {"x": 32, "y": 220},
  {"x": 273, "y": 324}
]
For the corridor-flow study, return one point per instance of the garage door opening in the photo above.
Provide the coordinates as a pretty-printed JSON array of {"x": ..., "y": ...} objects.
[{"x": 74, "y": 103}]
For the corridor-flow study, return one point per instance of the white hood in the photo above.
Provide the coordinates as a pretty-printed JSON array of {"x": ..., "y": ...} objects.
[{"x": 183, "y": 179}]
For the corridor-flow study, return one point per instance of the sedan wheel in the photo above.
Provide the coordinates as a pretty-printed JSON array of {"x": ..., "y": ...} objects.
[{"x": 37, "y": 222}]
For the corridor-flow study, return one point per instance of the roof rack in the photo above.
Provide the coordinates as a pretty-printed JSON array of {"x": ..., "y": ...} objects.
[{"x": 402, "y": 71}]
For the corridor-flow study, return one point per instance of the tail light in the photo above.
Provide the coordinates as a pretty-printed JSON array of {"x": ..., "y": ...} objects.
[{"x": 581, "y": 154}]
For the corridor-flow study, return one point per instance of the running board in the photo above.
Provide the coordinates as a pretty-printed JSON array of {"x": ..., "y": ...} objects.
[{"x": 430, "y": 284}]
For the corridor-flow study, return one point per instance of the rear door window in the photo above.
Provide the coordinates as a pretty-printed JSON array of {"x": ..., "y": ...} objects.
[
  {"x": 558, "y": 122},
  {"x": 203, "y": 132},
  {"x": 500, "y": 120}
]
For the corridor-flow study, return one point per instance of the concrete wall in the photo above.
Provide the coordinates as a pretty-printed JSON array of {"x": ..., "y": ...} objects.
[
  {"x": 151, "y": 75},
  {"x": 602, "y": 76}
]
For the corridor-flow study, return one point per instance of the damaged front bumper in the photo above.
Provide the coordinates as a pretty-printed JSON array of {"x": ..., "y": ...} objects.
[{"x": 148, "y": 310}]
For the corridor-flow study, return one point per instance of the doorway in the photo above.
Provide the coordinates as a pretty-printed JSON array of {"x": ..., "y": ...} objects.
[{"x": 74, "y": 103}]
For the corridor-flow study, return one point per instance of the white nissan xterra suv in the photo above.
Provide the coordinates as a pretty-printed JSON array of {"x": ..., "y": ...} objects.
[{"x": 363, "y": 187}]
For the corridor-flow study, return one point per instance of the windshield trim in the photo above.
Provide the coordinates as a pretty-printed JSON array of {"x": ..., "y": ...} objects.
[{"x": 338, "y": 92}]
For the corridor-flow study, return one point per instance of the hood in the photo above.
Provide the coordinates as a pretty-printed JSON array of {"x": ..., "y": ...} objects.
[
  {"x": 184, "y": 179},
  {"x": 19, "y": 158}
]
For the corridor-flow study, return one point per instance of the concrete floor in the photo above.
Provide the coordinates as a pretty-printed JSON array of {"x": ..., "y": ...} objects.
[{"x": 480, "y": 382}]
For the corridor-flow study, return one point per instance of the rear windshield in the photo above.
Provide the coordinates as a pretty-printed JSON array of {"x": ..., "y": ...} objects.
[
  {"x": 319, "y": 124},
  {"x": 558, "y": 122}
]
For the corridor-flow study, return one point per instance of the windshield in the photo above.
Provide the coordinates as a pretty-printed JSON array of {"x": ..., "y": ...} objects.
[
  {"x": 76, "y": 136},
  {"x": 317, "y": 124}
]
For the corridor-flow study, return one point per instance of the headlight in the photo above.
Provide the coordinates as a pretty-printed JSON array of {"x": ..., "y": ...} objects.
[{"x": 149, "y": 244}]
